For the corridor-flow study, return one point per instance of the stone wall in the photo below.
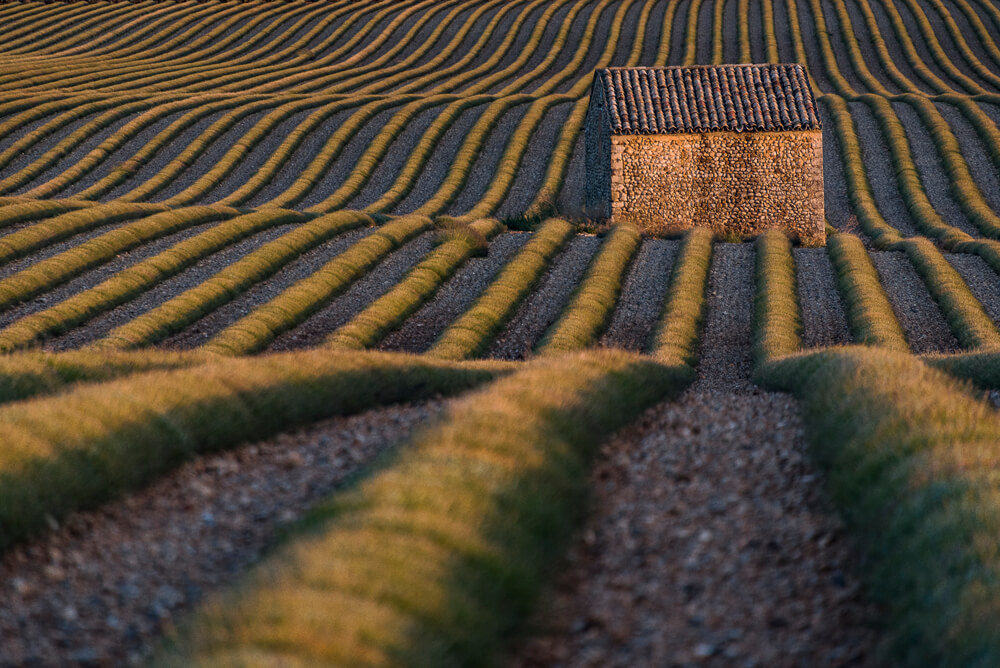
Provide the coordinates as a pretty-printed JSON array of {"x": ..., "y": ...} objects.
[{"x": 736, "y": 183}]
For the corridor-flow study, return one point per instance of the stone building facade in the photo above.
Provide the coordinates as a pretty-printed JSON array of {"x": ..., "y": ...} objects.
[{"x": 737, "y": 148}]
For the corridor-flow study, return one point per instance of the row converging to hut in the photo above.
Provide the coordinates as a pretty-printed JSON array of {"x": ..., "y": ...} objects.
[{"x": 738, "y": 148}]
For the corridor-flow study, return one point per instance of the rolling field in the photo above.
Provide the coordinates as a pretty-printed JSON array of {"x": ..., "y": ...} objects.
[{"x": 309, "y": 355}]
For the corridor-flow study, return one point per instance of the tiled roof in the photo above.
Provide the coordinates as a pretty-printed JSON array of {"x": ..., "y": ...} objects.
[{"x": 741, "y": 98}]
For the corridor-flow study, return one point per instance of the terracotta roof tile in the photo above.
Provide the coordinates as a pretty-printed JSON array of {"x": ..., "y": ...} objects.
[{"x": 703, "y": 98}]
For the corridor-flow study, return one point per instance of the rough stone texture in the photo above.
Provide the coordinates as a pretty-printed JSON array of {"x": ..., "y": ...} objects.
[{"x": 733, "y": 182}]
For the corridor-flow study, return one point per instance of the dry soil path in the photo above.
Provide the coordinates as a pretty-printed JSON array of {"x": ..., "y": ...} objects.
[{"x": 709, "y": 539}]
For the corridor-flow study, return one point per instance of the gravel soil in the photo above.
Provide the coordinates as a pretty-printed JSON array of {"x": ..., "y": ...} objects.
[
  {"x": 810, "y": 41},
  {"x": 836, "y": 202},
  {"x": 164, "y": 155},
  {"x": 251, "y": 163},
  {"x": 985, "y": 171},
  {"x": 300, "y": 158},
  {"x": 923, "y": 323},
  {"x": 78, "y": 152},
  {"x": 783, "y": 33},
  {"x": 892, "y": 44},
  {"x": 922, "y": 50},
  {"x": 304, "y": 265},
  {"x": 544, "y": 47},
  {"x": 627, "y": 37},
  {"x": 641, "y": 301},
  {"x": 704, "y": 34},
  {"x": 730, "y": 33},
  {"x": 454, "y": 297},
  {"x": 981, "y": 279},
  {"x": 100, "y": 589},
  {"x": 485, "y": 166},
  {"x": 824, "y": 321},
  {"x": 544, "y": 305},
  {"x": 758, "y": 48},
  {"x": 187, "y": 279},
  {"x": 439, "y": 163},
  {"x": 709, "y": 539},
  {"x": 53, "y": 249},
  {"x": 951, "y": 48},
  {"x": 572, "y": 195},
  {"x": 212, "y": 154},
  {"x": 41, "y": 146},
  {"x": 836, "y": 41},
  {"x": 677, "y": 45},
  {"x": 373, "y": 285},
  {"x": 935, "y": 180},
  {"x": 337, "y": 172},
  {"x": 89, "y": 279},
  {"x": 123, "y": 153},
  {"x": 535, "y": 162},
  {"x": 388, "y": 169},
  {"x": 654, "y": 31},
  {"x": 881, "y": 173}
]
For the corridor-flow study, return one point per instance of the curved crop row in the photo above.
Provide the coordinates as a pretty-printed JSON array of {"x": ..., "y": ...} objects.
[
  {"x": 676, "y": 338},
  {"x": 777, "y": 316},
  {"x": 20, "y": 243},
  {"x": 594, "y": 300},
  {"x": 479, "y": 505},
  {"x": 258, "y": 328},
  {"x": 925, "y": 217},
  {"x": 474, "y": 329},
  {"x": 69, "y": 452},
  {"x": 859, "y": 189},
  {"x": 869, "y": 312},
  {"x": 50, "y": 272},
  {"x": 390, "y": 310},
  {"x": 186, "y": 308},
  {"x": 968, "y": 320},
  {"x": 133, "y": 281}
]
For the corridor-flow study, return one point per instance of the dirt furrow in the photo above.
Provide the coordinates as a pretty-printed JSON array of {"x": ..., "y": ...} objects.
[
  {"x": 824, "y": 321},
  {"x": 709, "y": 539},
  {"x": 369, "y": 288},
  {"x": 641, "y": 301},
  {"x": 543, "y": 306},
  {"x": 100, "y": 589},
  {"x": 425, "y": 326},
  {"x": 923, "y": 323}
]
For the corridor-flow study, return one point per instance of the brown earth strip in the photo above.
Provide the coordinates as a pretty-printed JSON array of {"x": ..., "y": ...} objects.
[
  {"x": 641, "y": 300},
  {"x": 824, "y": 321},
  {"x": 100, "y": 589},
  {"x": 542, "y": 307},
  {"x": 710, "y": 540},
  {"x": 925, "y": 327}
]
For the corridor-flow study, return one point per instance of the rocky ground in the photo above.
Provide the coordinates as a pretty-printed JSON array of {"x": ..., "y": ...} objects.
[
  {"x": 709, "y": 540},
  {"x": 100, "y": 589}
]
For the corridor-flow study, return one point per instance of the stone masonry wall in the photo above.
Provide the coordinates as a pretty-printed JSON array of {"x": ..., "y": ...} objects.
[{"x": 740, "y": 183}]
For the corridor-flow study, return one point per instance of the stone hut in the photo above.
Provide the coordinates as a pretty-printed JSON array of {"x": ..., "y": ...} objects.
[{"x": 738, "y": 148}]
